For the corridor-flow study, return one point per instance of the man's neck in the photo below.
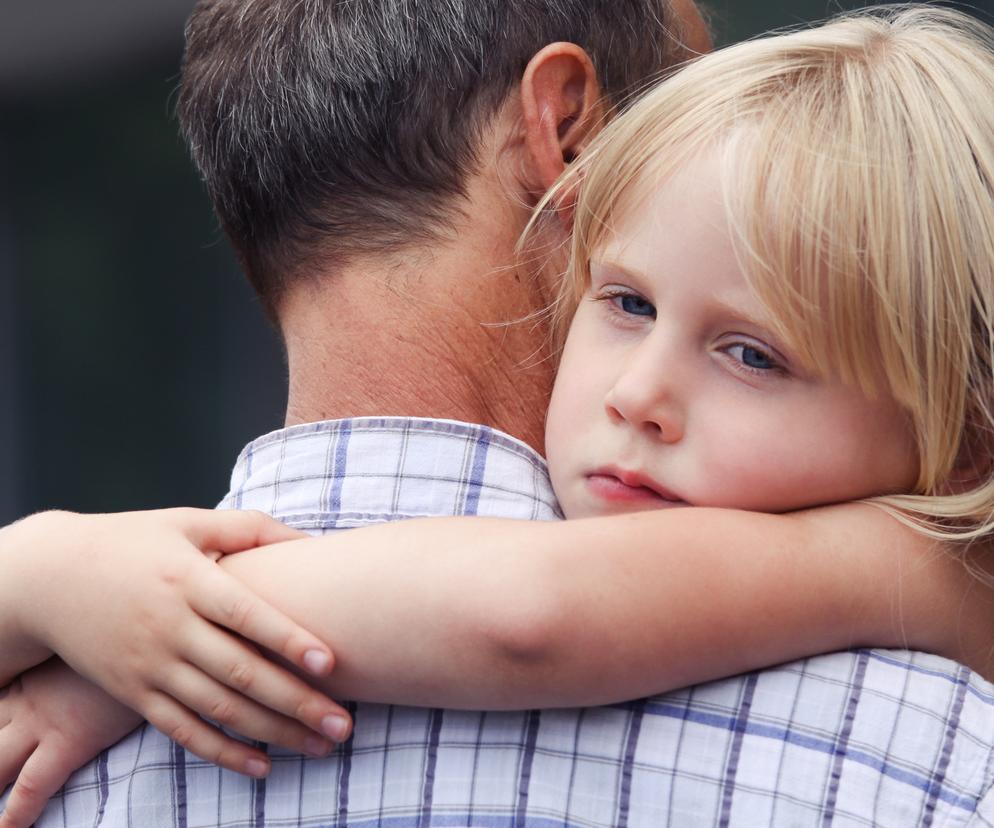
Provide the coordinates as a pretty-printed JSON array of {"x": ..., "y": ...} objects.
[{"x": 444, "y": 331}]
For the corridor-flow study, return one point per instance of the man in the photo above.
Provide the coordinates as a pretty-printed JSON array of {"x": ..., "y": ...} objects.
[{"x": 374, "y": 163}]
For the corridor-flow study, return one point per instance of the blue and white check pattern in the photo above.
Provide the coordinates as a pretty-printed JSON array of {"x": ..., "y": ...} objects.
[{"x": 866, "y": 738}]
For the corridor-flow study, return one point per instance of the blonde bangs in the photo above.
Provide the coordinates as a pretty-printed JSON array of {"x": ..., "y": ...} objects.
[{"x": 866, "y": 219}]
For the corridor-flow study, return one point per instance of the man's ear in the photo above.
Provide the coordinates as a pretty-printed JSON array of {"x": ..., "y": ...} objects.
[{"x": 562, "y": 110}]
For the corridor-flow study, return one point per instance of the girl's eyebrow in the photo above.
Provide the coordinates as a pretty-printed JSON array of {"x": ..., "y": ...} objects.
[
  {"x": 613, "y": 264},
  {"x": 736, "y": 311}
]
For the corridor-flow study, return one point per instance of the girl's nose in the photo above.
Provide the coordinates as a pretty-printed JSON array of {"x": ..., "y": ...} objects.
[{"x": 645, "y": 398}]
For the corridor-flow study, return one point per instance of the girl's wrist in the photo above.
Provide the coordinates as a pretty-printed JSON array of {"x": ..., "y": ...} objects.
[
  {"x": 26, "y": 548},
  {"x": 909, "y": 591},
  {"x": 956, "y": 584},
  {"x": 879, "y": 572}
]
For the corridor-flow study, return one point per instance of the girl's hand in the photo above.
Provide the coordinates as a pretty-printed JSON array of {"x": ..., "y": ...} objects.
[
  {"x": 52, "y": 722},
  {"x": 136, "y": 603}
]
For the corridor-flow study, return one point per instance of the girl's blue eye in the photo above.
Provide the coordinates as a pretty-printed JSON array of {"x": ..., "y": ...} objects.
[
  {"x": 635, "y": 305},
  {"x": 753, "y": 358}
]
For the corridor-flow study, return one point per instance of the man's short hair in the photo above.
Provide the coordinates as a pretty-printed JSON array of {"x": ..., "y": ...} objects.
[{"x": 326, "y": 128}]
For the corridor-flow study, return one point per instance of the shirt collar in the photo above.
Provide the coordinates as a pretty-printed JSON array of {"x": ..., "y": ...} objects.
[{"x": 344, "y": 473}]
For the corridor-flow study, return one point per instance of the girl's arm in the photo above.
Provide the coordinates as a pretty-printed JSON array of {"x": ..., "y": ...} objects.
[
  {"x": 483, "y": 613},
  {"x": 136, "y": 603}
]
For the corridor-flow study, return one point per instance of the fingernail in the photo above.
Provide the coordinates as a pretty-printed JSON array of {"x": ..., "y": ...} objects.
[
  {"x": 256, "y": 768},
  {"x": 335, "y": 728},
  {"x": 316, "y": 747},
  {"x": 316, "y": 661}
]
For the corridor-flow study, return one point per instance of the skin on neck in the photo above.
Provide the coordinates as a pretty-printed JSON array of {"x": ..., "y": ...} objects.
[{"x": 444, "y": 330}]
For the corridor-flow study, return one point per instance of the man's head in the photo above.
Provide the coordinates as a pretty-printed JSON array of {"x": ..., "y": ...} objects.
[{"x": 327, "y": 129}]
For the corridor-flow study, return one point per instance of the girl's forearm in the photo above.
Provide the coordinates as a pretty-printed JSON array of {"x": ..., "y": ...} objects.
[{"x": 493, "y": 614}]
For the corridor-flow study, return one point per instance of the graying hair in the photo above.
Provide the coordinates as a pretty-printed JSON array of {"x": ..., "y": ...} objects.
[{"x": 323, "y": 128}]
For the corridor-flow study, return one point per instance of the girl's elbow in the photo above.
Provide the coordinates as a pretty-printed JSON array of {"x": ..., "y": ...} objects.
[{"x": 530, "y": 630}]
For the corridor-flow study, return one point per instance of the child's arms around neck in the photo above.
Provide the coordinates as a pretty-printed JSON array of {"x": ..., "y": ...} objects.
[
  {"x": 503, "y": 614},
  {"x": 490, "y": 614}
]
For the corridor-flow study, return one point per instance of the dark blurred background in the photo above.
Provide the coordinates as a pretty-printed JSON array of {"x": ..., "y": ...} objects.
[{"x": 134, "y": 362}]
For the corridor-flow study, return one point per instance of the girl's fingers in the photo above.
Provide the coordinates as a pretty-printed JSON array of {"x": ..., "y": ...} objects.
[
  {"x": 232, "y": 530},
  {"x": 244, "y": 717},
  {"x": 6, "y": 709},
  {"x": 44, "y": 772},
  {"x": 201, "y": 739},
  {"x": 239, "y": 667},
  {"x": 223, "y": 599},
  {"x": 15, "y": 748}
]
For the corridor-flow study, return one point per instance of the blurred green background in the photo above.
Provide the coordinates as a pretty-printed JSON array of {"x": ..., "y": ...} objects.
[{"x": 134, "y": 362}]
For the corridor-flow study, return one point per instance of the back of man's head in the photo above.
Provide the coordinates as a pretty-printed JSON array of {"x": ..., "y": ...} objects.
[{"x": 327, "y": 128}]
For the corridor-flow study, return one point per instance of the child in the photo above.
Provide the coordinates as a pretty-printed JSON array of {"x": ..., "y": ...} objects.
[{"x": 782, "y": 296}]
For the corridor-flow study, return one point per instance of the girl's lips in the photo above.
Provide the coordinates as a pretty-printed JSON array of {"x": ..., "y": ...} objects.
[{"x": 608, "y": 486}]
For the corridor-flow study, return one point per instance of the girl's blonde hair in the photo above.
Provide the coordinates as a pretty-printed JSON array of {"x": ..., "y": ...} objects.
[{"x": 858, "y": 169}]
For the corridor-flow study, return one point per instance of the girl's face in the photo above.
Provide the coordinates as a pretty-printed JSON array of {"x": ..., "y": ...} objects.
[{"x": 673, "y": 391}]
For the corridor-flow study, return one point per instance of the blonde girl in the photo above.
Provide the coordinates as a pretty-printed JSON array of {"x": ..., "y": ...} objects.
[{"x": 855, "y": 168}]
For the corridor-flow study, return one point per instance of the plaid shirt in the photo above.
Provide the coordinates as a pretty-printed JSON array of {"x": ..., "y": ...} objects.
[{"x": 864, "y": 738}]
